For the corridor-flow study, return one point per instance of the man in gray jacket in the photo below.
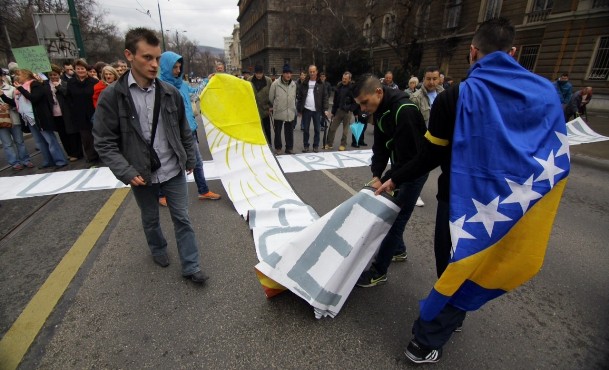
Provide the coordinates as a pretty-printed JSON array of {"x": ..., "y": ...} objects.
[
  {"x": 122, "y": 131},
  {"x": 282, "y": 96}
]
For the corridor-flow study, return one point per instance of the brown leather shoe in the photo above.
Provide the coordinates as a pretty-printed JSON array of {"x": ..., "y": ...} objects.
[{"x": 161, "y": 260}]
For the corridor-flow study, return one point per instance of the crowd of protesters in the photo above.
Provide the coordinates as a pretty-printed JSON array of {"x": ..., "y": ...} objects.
[{"x": 61, "y": 101}]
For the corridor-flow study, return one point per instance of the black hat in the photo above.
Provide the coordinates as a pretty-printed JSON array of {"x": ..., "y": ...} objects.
[
  {"x": 258, "y": 69},
  {"x": 286, "y": 68}
]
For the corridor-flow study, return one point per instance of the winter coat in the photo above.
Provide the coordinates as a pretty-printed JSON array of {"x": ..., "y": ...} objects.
[
  {"x": 319, "y": 93},
  {"x": 282, "y": 98},
  {"x": 66, "y": 113},
  {"x": 168, "y": 60},
  {"x": 80, "y": 98},
  {"x": 421, "y": 99},
  {"x": 398, "y": 132},
  {"x": 262, "y": 96},
  {"x": 119, "y": 139},
  {"x": 343, "y": 98},
  {"x": 41, "y": 96}
]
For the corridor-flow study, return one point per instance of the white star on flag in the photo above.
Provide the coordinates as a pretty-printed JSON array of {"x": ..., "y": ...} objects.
[
  {"x": 488, "y": 214},
  {"x": 564, "y": 145},
  {"x": 549, "y": 169},
  {"x": 522, "y": 194},
  {"x": 457, "y": 232}
]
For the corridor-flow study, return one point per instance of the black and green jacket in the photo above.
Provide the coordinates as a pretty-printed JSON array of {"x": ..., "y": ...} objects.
[{"x": 399, "y": 131}]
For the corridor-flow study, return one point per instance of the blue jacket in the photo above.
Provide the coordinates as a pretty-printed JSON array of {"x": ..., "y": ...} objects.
[{"x": 168, "y": 60}]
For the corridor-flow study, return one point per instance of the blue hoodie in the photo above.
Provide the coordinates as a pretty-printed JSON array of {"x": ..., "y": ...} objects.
[{"x": 168, "y": 60}]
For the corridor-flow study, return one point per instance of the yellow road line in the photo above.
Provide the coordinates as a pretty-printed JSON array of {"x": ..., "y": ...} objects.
[{"x": 24, "y": 330}]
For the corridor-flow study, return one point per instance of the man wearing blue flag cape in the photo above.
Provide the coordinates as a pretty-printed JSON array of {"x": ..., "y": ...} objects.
[{"x": 501, "y": 142}]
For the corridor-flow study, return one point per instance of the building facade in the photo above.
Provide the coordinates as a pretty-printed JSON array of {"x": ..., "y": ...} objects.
[
  {"x": 552, "y": 37},
  {"x": 275, "y": 32},
  {"x": 235, "y": 50}
]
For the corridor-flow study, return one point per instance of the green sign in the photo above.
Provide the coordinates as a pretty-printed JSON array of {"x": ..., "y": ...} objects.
[{"x": 34, "y": 58}]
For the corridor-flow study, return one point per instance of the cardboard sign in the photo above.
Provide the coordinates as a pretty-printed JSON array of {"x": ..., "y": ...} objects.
[{"x": 34, "y": 58}]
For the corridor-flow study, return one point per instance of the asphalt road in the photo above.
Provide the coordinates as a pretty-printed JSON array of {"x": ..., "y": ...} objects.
[{"x": 123, "y": 312}]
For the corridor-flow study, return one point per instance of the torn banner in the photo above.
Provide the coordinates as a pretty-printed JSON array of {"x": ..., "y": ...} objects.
[
  {"x": 322, "y": 262},
  {"x": 318, "y": 259}
]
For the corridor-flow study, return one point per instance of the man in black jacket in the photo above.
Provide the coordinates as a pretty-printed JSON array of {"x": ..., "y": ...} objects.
[
  {"x": 313, "y": 101},
  {"x": 398, "y": 136},
  {"x": 342, "y": 111}
]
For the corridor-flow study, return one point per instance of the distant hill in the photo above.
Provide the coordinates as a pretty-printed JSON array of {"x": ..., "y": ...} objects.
[{"x": 212, "y": 50}]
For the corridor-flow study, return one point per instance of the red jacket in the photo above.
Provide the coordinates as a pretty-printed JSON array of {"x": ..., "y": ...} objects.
[{"x": 97, "y": 89}]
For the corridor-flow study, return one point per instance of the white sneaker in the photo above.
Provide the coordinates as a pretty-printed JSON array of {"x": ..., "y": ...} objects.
[{"x": 419, "y": 202}]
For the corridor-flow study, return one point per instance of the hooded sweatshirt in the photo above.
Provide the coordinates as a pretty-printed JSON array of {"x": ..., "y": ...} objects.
[{"x": 168, "y": 60}]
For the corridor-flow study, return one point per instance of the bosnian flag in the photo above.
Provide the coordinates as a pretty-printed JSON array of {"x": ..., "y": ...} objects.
[{"x": 510, "y": 161}]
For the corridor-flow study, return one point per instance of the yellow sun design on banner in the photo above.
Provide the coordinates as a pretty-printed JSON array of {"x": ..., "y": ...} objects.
[{"x": 248, "y": 169}]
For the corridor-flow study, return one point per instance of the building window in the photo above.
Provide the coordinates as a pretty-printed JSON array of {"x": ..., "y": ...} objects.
[
  {"x": 528, "y": 56},
  {"x": 600, "y": 4},
  {"x": 599, "y": 69},
  {"x": 540, "y": 10},
  {"x": 384, "y": 65},
  {"x": 368, "y": 30},
  {"x": 388, "y": 32},
  {"x": 493, "y": 9},
  {"x": 421, "y": 20},
  {"x": 453, "y": 11}
]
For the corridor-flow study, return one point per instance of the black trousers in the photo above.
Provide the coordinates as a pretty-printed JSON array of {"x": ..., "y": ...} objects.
[
  {"x": 435, "y": 333},
  {"x": 442, "y": 242},
  {"x": 266, "y": 127},
  {"x": 288, "y": 134},
  {"x": 71, "y": 142}
]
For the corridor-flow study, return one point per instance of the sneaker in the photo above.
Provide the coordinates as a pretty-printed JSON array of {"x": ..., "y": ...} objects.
[
  {"x": 210, "y": 195},
  {"x": 315, "y": 149},
  {"x": 277, "y": 151},
  {"x": 163, "y": 201},
  {"x": 72, "y": 159},
  {"x": 342, "y": 148},
  {"x": 18, "y": 167},
  {"x": 418, "y": 355},
  {"x": 371, "y": 278},
  {"x": 328, "y": 147},
  {"x": 419, "y": 202},
  {"x": 29, "y": 165},
  {"x": 305, "y": 150},
  {"x": 400, "y": 257}
]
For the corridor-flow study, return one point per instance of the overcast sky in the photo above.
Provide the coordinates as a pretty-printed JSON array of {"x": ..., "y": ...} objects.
[{"x": 206, "y": 21}]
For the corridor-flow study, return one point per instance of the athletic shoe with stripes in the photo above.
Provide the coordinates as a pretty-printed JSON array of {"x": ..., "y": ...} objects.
[
  {"x": 418, "y": 355},
  {"x": 371, "y": 278},
  {"x": 400, "y": 257}
]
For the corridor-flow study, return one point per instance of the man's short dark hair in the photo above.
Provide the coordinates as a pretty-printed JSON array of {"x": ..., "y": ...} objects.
[
  {"x": 366, "y": 84},
  {"x": 136, "y": 35},
  {"x": 67, "y": 62},
  {"x": 496, "y": 34},
  {"x": 431, "y": 69}
]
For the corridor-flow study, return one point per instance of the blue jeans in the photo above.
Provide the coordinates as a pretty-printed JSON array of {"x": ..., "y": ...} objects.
[
  {"x": 176, "y": 192},
  {"x": 198, "y": 170},
  {"x": 306, "y": 120},
  {"x": 15, "y": 154},
  {"x": 52, "y": 154},
  {"x": 394, "y": 240}
]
